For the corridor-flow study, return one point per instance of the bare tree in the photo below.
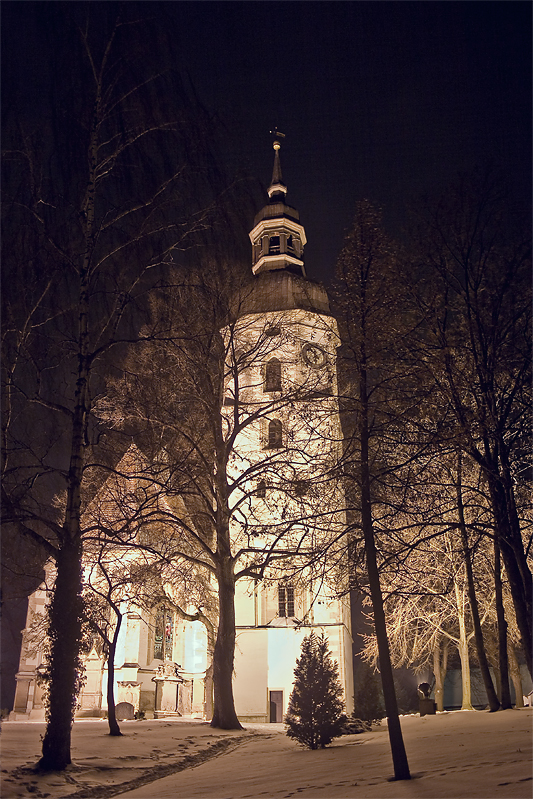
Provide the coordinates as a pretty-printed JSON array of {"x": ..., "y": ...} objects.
[
  {"x": 98, "y": 195},
  {"x": 243, "y": 440},
  {"x": 374, "y": 325},
  {"x": 438, "y": 574},
  {"x": 472, "y": 268}
]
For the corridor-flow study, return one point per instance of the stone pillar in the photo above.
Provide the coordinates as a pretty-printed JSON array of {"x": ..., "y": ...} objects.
[
  {"x": 133, "y": 638},
  {"x": 22, "y": 692}
]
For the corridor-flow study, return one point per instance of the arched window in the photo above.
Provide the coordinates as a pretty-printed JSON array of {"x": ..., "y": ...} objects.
[
  {"x": 164, "y": 624},
  {"x": 272, "y": 375},
  {"x": 261, "y": 489},
  {"x": 275, "y": 434}
]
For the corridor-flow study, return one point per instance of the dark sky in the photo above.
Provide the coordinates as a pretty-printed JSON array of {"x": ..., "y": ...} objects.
[
  {"x": 378, "y": 100},
  {"x": 383, "y": 100}
]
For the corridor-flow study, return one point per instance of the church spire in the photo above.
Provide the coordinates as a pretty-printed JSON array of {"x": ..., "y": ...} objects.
[
  {"x": 278, "y": 237},
  {"x": 277, "y": 188}
]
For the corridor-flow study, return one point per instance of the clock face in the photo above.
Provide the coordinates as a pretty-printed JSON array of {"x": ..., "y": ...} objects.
[{"x": 313, "y": 355}]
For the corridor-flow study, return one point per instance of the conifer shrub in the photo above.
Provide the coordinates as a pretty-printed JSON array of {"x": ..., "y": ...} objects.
[
  {"x": 315, "y": 714},
  {"x": 368, "y": 700}
]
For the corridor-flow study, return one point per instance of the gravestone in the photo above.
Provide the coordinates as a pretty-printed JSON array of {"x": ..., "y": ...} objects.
[{"x": 125, "y": 711}]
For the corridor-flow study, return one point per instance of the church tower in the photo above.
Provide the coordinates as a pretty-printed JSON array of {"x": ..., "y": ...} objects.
[{"x": 281, "y": 372}]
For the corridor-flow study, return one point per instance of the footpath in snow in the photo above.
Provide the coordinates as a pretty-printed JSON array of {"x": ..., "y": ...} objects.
[{"x": 459, "y": 755}]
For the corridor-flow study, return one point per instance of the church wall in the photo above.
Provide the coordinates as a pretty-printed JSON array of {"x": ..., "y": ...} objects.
[
  {"x": 144, "y": 635},
  {"x": 284, "y": 647},
  {"x": 90, "y": 702},
  {"x": 132, "y": 638},
  {"x": 245, "y": 613},
  {"x": 269, "y": 606},
  {"x": 347, "y": 669},
  {"x": 120, "y": 651},
  {"x": 251, "y": 673}
]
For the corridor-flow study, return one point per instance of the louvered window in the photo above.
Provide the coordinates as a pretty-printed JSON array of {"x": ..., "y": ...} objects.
[
  {"x": 272, "y": 376},
  {"x": 275, "y": 434}
]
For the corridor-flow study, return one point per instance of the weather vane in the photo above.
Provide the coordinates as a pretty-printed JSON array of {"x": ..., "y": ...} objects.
[{"x": 277, "y": 135}]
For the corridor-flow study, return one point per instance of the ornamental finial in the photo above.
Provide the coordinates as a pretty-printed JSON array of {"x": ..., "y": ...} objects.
[{"x": 277, "y": 135}]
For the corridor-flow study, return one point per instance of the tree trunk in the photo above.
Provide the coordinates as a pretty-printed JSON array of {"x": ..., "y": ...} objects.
[
  {"x": 224, "y": 715},
  {"x": 462, "y": 647},
  {"x": 114, "y": 728},
  {"x": 65, "y": 619},
  {"x": 494, "y": 703},
  {"x": 64, "y": 668},
  {"x": 516, "y": 677},
  {"x": 514, "y": 525},
  {"x": 208, "y": 689},
  {"x": 519, "y": 590},
  {"x": 439, "y": 671},
  {"x": 466, "y": 688},
  {"x": 503, "y": 662},
  {"x": 399, "y": 756}
]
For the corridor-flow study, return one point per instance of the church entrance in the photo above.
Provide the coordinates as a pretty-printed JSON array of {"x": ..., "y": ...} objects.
[{"x": 276, "y": 706}]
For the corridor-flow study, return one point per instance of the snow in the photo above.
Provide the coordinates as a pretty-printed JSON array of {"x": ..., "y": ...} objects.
[{"x": 460, "y": 754}]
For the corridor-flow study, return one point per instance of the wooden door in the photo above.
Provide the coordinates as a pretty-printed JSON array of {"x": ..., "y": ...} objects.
[{"x": 276, "y": 706}]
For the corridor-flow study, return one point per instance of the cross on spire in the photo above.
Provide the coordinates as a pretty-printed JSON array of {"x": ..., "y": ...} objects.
[{"x": 277, "y": 135}]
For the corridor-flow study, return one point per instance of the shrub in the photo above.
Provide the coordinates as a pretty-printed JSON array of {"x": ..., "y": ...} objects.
[
  {"x": 315, "y": 713},
  {"x": 368, "y": 704}
]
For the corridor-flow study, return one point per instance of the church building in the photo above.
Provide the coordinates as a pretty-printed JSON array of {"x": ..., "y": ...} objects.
[{"x": 281, "y": 372}]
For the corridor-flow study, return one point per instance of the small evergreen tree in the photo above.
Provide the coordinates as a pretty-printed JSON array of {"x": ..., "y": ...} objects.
[
  {"x": 368, "y": 704},
  {"x": 315, "y": 714}
]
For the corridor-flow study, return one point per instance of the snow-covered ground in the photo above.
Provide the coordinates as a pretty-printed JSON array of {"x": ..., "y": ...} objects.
[{"x": 461, "y": 754}]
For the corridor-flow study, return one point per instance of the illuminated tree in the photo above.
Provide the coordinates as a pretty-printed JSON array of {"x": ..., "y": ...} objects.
[
  {"x": 472, "y": 270},
  {"x": 438, "y": 582}
]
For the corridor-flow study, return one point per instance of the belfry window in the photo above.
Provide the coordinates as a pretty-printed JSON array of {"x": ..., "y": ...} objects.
[
  {"x": 275, "y": 434},
  {"x": 274, "y": 246},
  {"x": 272, "y": 375},
  {"x": 285, "y": 601},
  {"x": 290, "y": 244},
  {"x": 261, "y": 489},
  {"x": 164, "y": 624}
]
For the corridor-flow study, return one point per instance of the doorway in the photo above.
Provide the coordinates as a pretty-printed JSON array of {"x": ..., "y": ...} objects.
[{"x": 276, "y": 707}]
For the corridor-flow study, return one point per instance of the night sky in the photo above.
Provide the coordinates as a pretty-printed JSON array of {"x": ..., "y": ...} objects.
[{"x": 378, "y": 100}]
